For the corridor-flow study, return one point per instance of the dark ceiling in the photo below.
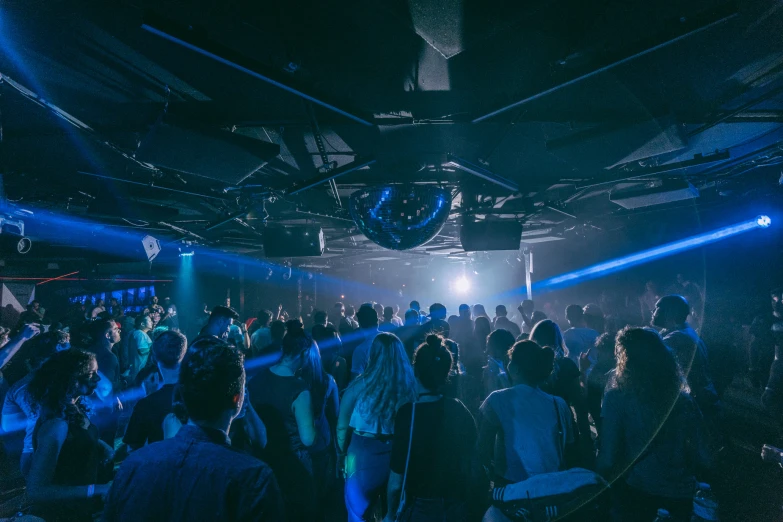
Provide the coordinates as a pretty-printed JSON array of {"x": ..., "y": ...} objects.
[{"x": 599, "y": 96}]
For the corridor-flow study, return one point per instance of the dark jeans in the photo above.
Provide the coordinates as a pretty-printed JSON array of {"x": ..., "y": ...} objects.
[
  {"x": 633, "y": 505},
  {"x": 434, "y": 510},
  {"x": 367, "y": 471}
]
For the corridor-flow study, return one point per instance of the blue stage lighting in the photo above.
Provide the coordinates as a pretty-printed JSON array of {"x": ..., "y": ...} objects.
[
  {"x": 187, "y": 254},
  {"x": 652, "y": 254}
]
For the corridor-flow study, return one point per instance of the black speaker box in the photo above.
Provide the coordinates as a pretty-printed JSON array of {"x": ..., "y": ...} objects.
[
  {"x": 299, "y": 241},
  {"x": 490, "y": 235}
]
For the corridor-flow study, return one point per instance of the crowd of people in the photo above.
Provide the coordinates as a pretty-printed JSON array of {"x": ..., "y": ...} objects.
[{"x": 369, "y": 414}]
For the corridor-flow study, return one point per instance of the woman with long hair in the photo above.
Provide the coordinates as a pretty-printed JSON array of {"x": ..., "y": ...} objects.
[
  {"x": 476, "y": 353},
  {"x": 435, "y": 440},
  {"x": 564, "y": 381},
  {"x": 325, "y": 401},
  {"x": 652, "y": 435},
  {"x": 67, "y": 451},
  {"x": 284, "y": 402},
  {"x": 367, "y": 413}
]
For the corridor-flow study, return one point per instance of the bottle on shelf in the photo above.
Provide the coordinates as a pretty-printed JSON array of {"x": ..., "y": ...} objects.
[
  {"x": 663, "y": 516},
  {"x": 705, "y": 505}
]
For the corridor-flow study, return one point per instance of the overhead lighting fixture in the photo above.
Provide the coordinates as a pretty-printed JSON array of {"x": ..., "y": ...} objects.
[
  {"x": 151, "y": 247},
  {"x": 763, "y": 221}
]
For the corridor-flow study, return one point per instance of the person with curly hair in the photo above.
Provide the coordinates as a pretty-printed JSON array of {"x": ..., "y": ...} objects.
[
  {"x": 367, "y": 413},
  {"x": 67, "y": 452},
  {"x": 652, "y": 435},
  {"x": 19, "y": 411}
]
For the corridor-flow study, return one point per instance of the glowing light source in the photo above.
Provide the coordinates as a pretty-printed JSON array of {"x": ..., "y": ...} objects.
[
  {"x": 187, "y": 254},
  {"x": 652, "y": 254},
  {"x": 461, "y": 285}
]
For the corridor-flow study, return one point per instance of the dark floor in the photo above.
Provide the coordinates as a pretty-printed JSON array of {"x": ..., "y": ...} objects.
[{"x": 748, "y": 489}]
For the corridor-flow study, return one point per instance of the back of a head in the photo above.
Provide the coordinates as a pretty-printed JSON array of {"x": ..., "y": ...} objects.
[
  {"x": 169, "y": 349},
  {"x": 500, "y": 311},
  {"x": 411, "y": 316},
  {"x": 319, "y": 317},
  {"x": 367, "y": 316},
  {"x": 296, "y": 341},
  {"x": 350, "y": 311},
  {"x": 223, "y": 312},
  {"x": 339, "y": 307},
  {"x": 464, "y": 311},
  {"x": 537, "y": 317},
  {"x": 482, "y": 326},
  {"x": 100, "y": 328},
  {"x": 47, "y": 344},
  {"x": 388, "y": 313},
  {"x": 478, "y": 310},
  {"x": 378, "y": 307},
  {"x": 531, "y": 362},
  {"x": 646, "y": 367},
  {"x": 211, "y": 380},
  {"x": 528, "y": 305},
  {"x": 388, "y": 378},
  {"x": 676, "y": 308},
  {"x": 604, "y": 346},
  {"x": 140, "y": 321},
  {"x": 277, "y": 330},
  {"x": 264, "y": 317},
  {"x": 499, "y": 342},
  {"x": 546, "y": 333},
  {"x": 432, "y": 363},
  {"x": 438, "y": 311},
  {"x": 574, "y": 314},
  {"x": 415, "y": 306}
]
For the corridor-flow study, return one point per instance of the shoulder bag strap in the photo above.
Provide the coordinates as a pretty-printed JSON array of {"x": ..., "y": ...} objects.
[
  {"x": 401, "y": 507},
  {"x": 560, "y": 435}
]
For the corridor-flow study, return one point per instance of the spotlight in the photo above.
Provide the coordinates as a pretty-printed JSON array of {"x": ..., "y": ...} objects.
[
  {"x": 461, "y": 285},
  {"x": 287, "y": 274},
  {"x": 763, "y": 221},
  {"x": 151, "y": 247}
]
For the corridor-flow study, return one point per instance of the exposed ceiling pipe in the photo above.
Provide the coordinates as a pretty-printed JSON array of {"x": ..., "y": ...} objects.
[
  {"x": 358, "y": 163},
  {"x": 188, "y": 39},
  {"x": 481, "y": 172},
  {"x": 602, "y": 69}
]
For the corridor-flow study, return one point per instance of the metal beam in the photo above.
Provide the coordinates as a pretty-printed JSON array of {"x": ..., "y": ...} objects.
[
  {"x": 189, "y": 39},
  {"x": 602, "y": 69},
  {"x": 358, "y": 163},
  {"x": 481, "y": 172}
]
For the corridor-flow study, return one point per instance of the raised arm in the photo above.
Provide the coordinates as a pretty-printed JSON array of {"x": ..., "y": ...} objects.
[{"x": 10, "y": 349}]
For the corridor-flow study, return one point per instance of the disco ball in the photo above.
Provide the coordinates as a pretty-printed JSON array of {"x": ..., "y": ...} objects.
[{"x": 400, "y": 217}]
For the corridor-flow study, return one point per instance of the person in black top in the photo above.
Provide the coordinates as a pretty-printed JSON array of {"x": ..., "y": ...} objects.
[
  {"x": 220, "y": 321},
  {"x": 105, "y": 335},
  {"x": 197, "y": 475},
  {"x": 67, "y": 452},
  {"x": 437, "y": 451},
  {"x": 284, "y": 403},
  {"x": 146, "y": 422}
]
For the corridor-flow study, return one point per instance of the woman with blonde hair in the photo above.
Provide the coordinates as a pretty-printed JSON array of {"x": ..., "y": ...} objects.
[{"x": 367, "y": 413}]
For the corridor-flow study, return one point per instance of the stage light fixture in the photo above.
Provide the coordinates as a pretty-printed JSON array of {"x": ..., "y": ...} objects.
[
  {"x": 461, "y": 285},
  {"x": 187, "y": 254},
  {"x": 763, "y": 221}
]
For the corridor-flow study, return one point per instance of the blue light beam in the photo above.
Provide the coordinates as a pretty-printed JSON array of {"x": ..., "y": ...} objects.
[{"x": 652, "y": 254}]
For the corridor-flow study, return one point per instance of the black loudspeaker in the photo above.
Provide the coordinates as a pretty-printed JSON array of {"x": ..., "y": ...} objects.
[
  {"x": 210, "y": 153},
  {"x": 300, "y": 241},
  {"x": 490, "y": 235}
]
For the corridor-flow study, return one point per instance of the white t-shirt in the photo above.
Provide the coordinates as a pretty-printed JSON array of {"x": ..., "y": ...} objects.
[{"x": 529, "y": 440}]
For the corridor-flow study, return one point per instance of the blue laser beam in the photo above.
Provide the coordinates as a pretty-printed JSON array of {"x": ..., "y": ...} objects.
[{"x": 645, "y": 256}]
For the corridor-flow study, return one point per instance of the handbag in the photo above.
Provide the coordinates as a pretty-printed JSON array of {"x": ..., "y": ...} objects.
[
  {"x": 550, "y": 496},
  {"x": 403, "y": 496}
]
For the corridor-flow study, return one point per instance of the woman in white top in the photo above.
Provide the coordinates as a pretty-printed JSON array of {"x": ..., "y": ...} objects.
[{"x": 367, "y": 412}]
